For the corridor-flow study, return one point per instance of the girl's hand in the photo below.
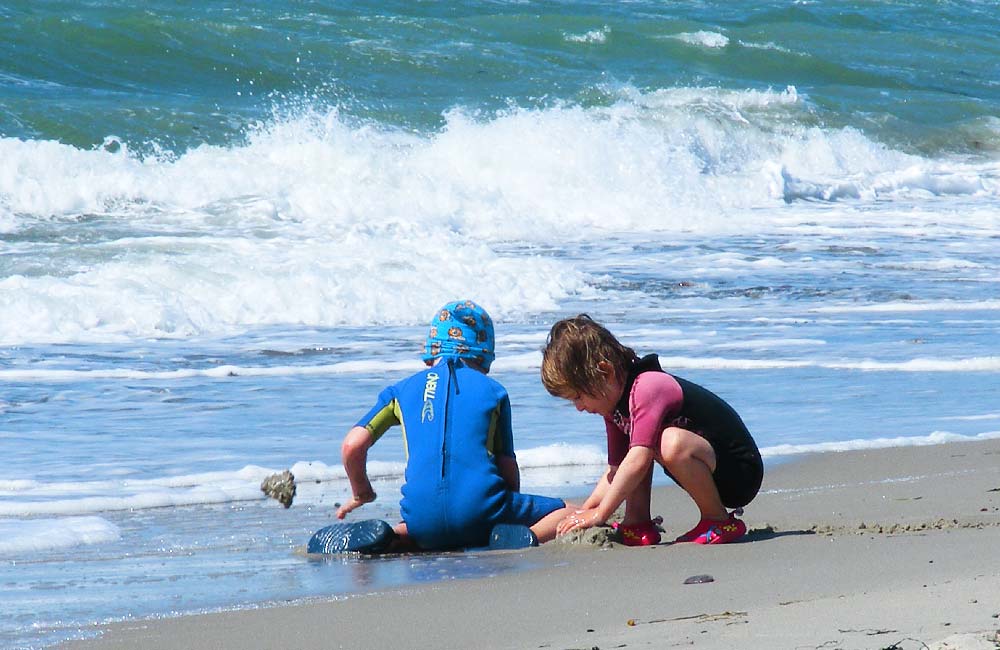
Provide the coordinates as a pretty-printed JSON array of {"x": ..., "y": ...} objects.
[
  {"x": 356, "y": 502},
  {"x": 579, "y": 520}
]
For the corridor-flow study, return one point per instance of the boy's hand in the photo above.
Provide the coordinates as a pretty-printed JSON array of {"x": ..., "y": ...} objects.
[
  {"x": 356, "y": 501},
  {"x": 579, "y": 520}
]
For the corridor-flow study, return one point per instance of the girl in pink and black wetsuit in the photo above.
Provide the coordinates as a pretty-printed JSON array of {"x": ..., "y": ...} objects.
[{"x": 650, "y": 415}]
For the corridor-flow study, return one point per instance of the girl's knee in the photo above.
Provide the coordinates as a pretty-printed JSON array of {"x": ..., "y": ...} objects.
[{"x": 679, "y": 447}]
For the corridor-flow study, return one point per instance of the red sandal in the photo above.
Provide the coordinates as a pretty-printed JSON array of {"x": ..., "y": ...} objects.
[
  {"x": 644, "y": 534},
  {"x": 723, "y": 532}
]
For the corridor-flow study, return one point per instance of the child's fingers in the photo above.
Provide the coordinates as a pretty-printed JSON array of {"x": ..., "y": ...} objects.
[
  {"x": 355, "y": 503},
  {"x": 569, "y": 524}
]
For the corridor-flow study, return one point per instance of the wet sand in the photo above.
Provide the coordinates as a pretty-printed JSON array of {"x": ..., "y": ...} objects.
[{"x": 896, "y": 548}]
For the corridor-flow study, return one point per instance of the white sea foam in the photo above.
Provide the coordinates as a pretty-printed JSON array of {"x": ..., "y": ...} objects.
[
  {"x": 915, "y": 306},
  {"x": 714, "y": 100},
  {"x": 935, "y": 438},
  {"x": 314, "y": 220},
  {"x": 28, "y": 498},
  {"x": 549, "y": 465},
  {"x": 323, "y": 174},
  {"x": 561, "y": 455},
  {"x": 345, "y": 367},
  {"x": 594, "y": 36},
  {"x": 20, "y": 536},
  {"x": 223, "y": 492},
  {"x": 973, "y": 364},
  {"x": 941, "y": 264},
  {"x": 703, "y": 38},
  {"x": 972, "y": 418},
  {"x": 766, "y": 46},
  {"x": 195, "y": 289},
  {"x": 33, "y": 498},
  {"x": 527, "y": 361},
  {"x": 767, "y": 344}
]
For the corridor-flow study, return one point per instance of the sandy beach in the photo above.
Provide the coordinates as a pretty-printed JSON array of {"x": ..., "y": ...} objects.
[{"x": 893, "y": 548}]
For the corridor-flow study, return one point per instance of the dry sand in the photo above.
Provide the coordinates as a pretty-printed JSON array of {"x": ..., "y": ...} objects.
[{"x": 895, "y": 548}]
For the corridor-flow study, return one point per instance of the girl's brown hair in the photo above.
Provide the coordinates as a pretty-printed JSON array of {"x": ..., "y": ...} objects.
[{"x": 571, "y": 355}]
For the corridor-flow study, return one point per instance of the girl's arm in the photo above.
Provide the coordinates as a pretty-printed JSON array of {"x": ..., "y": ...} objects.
[
  {"x": 354, "y": 454},
  {"x": 630, "y": 473},
  {"x": 609, "y": 494},
  {"x": 601, "y": 488}
]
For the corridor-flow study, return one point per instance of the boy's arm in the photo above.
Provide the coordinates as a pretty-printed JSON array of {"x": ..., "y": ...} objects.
[
  {"x": 354, "y": 450},
  {"x": 510, "y": 472},
  {"x": 502, "y": 444},
  {"x": 354, "y": 453}
]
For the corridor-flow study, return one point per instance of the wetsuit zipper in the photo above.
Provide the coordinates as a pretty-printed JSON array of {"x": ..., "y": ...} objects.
[{"x": 447, "y": 416}]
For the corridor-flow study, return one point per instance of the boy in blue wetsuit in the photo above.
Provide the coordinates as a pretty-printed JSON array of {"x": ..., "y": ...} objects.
[{"x": 461, "y": 478}]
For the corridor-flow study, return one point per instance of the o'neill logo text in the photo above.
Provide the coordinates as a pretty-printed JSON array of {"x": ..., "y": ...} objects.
[{"x": 430, "y": 388}]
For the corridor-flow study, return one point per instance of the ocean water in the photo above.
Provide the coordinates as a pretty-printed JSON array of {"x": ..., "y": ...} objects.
[{"x": 223, "y": 228}]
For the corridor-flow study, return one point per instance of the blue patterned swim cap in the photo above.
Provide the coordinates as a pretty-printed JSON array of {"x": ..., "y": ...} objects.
[{"x": 461, "y": 329}]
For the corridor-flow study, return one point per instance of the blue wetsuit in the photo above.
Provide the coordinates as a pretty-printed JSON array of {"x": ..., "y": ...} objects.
[{"x": 455, "y": 421}]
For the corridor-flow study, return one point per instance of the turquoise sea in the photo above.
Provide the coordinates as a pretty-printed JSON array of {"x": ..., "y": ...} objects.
[{"x": 223, "y": 227}]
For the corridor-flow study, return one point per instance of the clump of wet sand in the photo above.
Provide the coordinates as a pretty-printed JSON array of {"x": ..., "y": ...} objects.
[
  {"x": 281, "y": 487},
  {"x": 600, "y": 536}
]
